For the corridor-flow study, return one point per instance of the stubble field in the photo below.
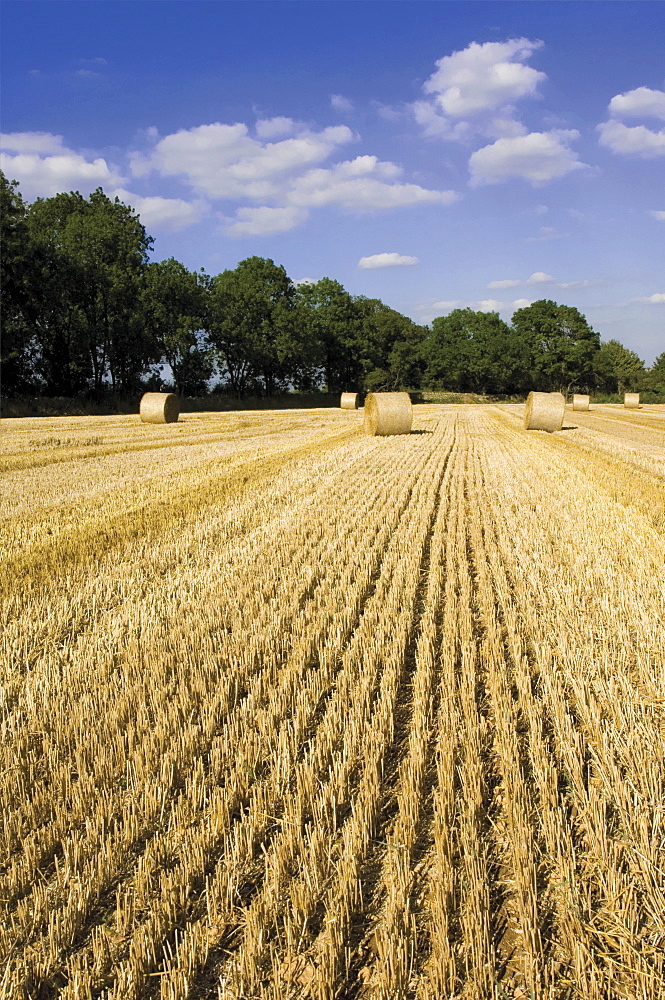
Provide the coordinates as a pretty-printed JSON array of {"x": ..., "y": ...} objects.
[{"x": 292, "y": 712}]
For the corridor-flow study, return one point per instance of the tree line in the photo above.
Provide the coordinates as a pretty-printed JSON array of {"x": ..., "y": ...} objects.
[{"x": 86, "y": 312}]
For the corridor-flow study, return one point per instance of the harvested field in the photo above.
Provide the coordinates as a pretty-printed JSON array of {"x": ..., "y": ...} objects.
[{"x": 293, "y": 712}]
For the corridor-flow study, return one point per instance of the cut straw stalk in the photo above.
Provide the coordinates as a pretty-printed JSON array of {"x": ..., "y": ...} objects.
[
  {"x": 631, "y": 400},
  {"x": 388, "y": 413},
  {"x": 349, "y": 401},
  {"x": 580, "y": 402},
  {"x": 159, "y": 408},
  {"x": 544, "y": 411}
]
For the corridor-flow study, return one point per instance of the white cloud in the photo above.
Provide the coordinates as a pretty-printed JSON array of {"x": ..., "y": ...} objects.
[
  {"x": 539, "y": 278},
  {"x": 631, "y": 140},
  {"x": 265, "y": 221},
  {"x": 639, "y": 103},
  {"x": 656, "y": 299},
  {"x": 364, "y": 184},
  {"x": 478, "y": 305},
  {"x": 267, "y": 128},
  {"x": 538, "y": 157},
  {"x": 340, "y": 103},
  {"x": 224, "y": 161},
  {"x": 387, "y": 260},
  {"x": 658, "y": 215},
  {"x": 32, "y": 142},
  {"x": 168, "y": 214},
  {"x": 507, "y": 283},
  {"x": 437, "y": 126},
  {"x": 482, "y": 77},
  {"x": 43, "y": 166}
]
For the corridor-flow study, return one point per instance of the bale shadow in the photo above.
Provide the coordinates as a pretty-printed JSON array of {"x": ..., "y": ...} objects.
[{"x": 421, "y": 431}]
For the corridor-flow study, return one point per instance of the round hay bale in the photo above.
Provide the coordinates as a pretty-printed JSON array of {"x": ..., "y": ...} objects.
[
  {"x": 631, "y": 400},
  {"x": 388, "y": 413},
  {"x": 159, "y": 408},
  {"x": 349, "y": 401},
  {"x": 580, "y": 402},
  {"x": 544, "y": 411}
]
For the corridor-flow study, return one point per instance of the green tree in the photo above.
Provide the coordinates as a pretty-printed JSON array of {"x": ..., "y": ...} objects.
[
  {"x": 618, "y": 369},
  {"x": 176, "y": 313},
  {"x": 20, "y": 292},
  {"x": 469, "y": 351},
  {"x": 561, "y": 346},
  {"x": 389, "y": 347},
  {"x": 334, "y": 326},
  {"x": 655, "y": 380},
  {"x": 250, "y": 309},
  {"x": 93, "y": 254}
]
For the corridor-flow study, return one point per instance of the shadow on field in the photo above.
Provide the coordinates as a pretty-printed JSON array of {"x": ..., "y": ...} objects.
[{"x": 421, "y": 431}]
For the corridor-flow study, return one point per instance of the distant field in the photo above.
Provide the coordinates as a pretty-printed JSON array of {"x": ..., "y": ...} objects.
[{"x": 292, "y": 712}]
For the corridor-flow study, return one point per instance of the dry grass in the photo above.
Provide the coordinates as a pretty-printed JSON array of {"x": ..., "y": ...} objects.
[{"x": 317, "y": 714}]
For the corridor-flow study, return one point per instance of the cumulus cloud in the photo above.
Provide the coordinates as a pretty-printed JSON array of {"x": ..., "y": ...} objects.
[
  {"x": 267, "y": 128},
  {"x": 224, "y": 161},
  {"x": 480, "y": 83},
  {"x": 264, "y": 221},
  {"x": 658, "y": 298},
  {"x": 632, "y": 140},
  {"x": 44, "y": 166},
  {"x": 167, "y": 214},
  {"x": 32, "y": 142},
  {"x": 364, "y": 184},
  {"x": 538, "y": 157},
  {"x": 639, "y": 103},
  {"x": 387, "y": 260},
  {"x": 482, "y": 77}
]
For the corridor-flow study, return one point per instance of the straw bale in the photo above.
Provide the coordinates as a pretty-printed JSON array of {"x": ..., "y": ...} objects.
[
  {"x": 388, "y": 413},
  {"x": 580, "y": 402},
  {"x": 544, "y": 411},
  {"x": 349, "y": 401},
  {"x": 159, "y": 408},
  {"x": 631, "y": 400}
]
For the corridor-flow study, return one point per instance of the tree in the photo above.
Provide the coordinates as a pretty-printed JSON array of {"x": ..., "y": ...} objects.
[
  {"x": 250, "y": 309},
  {"x": 18, "y": 350},
  {"x": 470, "y": 351},
  {"x": 561, "y": 346},
  {"x": 389, "y": 347},
  {"x": 93, "y": 253},
  {"x": 655, "y": 380},
  {"x": 333, "y": 329},
  {"x": 618, "y": 369},
  {"x": 176, "y": 311}
]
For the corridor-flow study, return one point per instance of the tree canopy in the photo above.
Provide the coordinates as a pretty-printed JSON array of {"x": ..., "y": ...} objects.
[{"x": 85, "y": 311}]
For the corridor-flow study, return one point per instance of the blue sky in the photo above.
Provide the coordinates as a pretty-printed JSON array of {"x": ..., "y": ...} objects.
[{"x": 431, "y": 154}]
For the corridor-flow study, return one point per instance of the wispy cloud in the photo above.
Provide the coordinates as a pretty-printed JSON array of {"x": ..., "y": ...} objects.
[
  {"x": 387, "y": 260},
  {"x": 340, "y": 103}
]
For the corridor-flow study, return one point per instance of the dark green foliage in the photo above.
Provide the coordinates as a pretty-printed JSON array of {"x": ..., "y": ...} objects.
[
  {"x": 85, "y": 313},
  {"x": 560, "y": 345},
  {"x": 616, "y": 369},
  {"x": 477, "y": 352},
  {"x": 176, "y": 307}
]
